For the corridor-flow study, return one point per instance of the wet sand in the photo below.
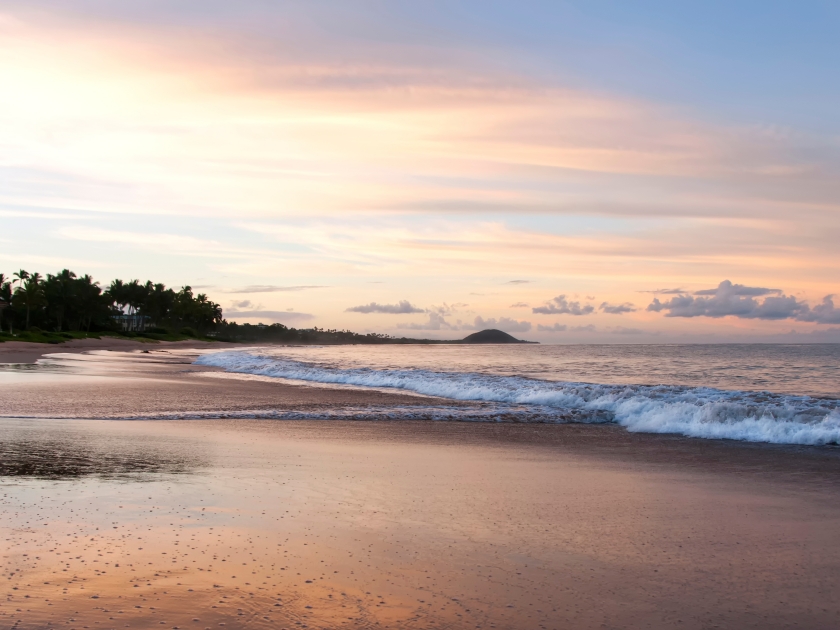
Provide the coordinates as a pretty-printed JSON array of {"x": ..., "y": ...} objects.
[
  {"x": 25, "y": 352},
  {"x": 332, "y": 524}
]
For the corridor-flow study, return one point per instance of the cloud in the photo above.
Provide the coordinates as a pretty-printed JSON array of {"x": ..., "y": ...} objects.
[
  {"x": 445, "y": 309},
  {"x": 436, "y": 322},
  {"x": 243, "y": 304},
  {"x": 560, "y": 305},
  {"x": 621, "y": 330},
  {"x": 740, "y": 290},
  {"x": 270, "y": 288},
  {"x": 677, "y": 291},
  {"x": 554, "y": 328},
  {"x": 273, "y": 315},
  {"x": 403, "y": 307},
  {"x": 732, "y": 300},
  {"x": 519, "y": 282},
  {"x": 823, "y": 313},
  {"x": 519, "y": 305},
  {"x": 618, "y": 309},
  {"x": 503, "y": 323}
]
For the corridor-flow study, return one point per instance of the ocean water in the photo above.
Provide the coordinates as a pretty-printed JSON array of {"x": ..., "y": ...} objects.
[{"x": 784, "y": 394}]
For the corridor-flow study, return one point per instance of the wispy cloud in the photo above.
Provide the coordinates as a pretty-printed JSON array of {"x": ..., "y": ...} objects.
[
  {"x": 400, "y": 308},
  {"x": 270, "y": 288},
  {"x": 278, "y": 316}
]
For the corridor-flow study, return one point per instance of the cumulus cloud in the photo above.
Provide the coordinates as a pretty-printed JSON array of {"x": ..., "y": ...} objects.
[
  {"x": 518, "y": 281},
  {"x": 446, "y": 309},
  {"x": 436, "y": 322},
  {"x": 404, "y": 306},
  {"x": 823, "y": 313},
  {"x": 519, "y": 305},
  {"x": 560, "y": 306},
  {"x": 732, "y": 300},
  {"x": 270, "y": 288},
  {"x": 503, "y": 323},
  {"x": 618, "y": 309},
  {"x": 621, "y": 330}
]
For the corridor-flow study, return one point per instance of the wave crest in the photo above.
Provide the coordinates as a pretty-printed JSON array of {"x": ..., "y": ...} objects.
[{"x": 690, "y": 411}]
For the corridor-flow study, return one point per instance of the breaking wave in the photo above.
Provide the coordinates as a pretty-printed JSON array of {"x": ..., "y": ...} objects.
[{"x": 690, "y": 411}]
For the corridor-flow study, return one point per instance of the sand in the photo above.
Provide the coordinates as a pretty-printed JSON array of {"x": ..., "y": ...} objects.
[
  {"x": 333, "y": 524},
  {"x": 25, "y": 352}
]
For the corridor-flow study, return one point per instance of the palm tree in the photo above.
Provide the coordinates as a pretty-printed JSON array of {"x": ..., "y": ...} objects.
[
  {"x": 20, "y": 277},
  {"x": 60, "y": 294},
  {"x": 5, "y": 297},
  {"x": 91, "y": 303},
  {"x": 30, "y": 294},
  {"x": 117, "y": 294}
]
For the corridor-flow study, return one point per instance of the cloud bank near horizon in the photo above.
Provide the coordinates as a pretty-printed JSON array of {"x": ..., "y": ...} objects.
[{"x": 735, "y": 300}]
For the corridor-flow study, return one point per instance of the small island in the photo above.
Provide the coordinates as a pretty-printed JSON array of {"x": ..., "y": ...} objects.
[{"x": 491, "y": 335}]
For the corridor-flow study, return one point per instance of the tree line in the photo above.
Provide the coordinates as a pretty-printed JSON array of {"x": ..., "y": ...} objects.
[{"x": 67, "y": 302}]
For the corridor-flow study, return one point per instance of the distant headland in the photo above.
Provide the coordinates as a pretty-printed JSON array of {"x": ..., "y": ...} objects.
[
  {"x": 491, "y": 335},
  {"x": 59, "y": 307}
]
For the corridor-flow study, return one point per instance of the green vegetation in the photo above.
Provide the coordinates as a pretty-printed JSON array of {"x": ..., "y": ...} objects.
[{"x": 64, "y": 306}]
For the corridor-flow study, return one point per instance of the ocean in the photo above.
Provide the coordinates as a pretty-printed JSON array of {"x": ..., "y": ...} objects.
[{"x": 783, "y": 394}]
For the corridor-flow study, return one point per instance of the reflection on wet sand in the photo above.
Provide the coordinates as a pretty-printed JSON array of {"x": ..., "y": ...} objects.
[
  {"x": 30, "y": 451},
  {"x": 409, "y": 525}
]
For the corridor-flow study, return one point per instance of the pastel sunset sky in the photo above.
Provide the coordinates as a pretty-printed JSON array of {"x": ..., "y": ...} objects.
[{"x": 593, "y": 171}]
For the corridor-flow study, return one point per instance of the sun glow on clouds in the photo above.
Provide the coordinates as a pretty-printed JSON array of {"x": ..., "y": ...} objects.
[{"x": 310, "y": 169}]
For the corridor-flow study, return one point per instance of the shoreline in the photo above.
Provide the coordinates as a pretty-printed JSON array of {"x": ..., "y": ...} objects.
[
  {"x": 160, "y": 382},
  {"x": 29, "y": 352}
]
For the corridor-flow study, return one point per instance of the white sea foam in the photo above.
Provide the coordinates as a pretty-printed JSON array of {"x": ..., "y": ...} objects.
[{"x": 695, "y": 412}]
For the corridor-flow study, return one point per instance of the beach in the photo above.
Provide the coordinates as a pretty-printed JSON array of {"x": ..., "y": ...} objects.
[{"x": 243, "y": 522}]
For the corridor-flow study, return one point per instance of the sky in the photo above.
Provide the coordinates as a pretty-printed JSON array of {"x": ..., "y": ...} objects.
[{"x": 570, "y": 172}]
